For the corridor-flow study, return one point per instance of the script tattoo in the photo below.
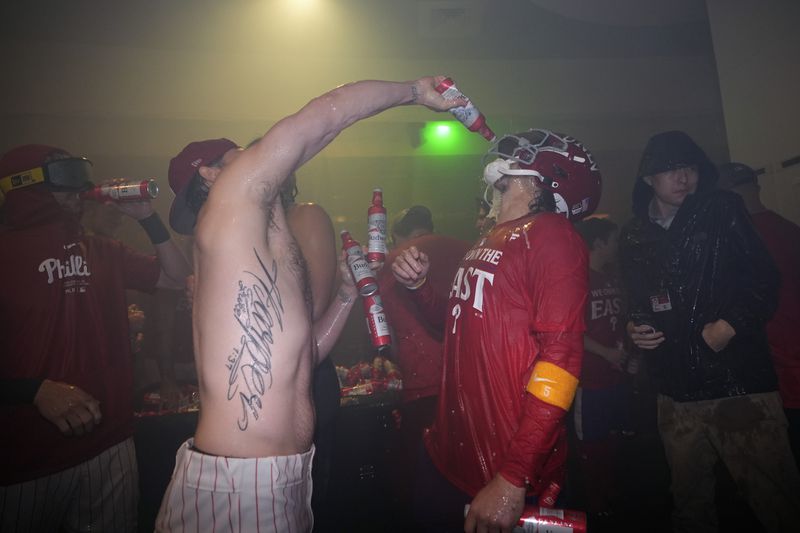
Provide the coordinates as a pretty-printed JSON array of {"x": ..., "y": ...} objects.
[{"x": 258, "y": 309}]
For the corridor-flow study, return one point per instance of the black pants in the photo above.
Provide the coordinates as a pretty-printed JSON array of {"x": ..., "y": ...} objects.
[{"x": 438, "y": 505}]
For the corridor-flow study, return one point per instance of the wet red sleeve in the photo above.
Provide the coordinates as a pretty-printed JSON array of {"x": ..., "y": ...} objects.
[
  {"x": 557, "y": 280},
  {"x": 537, "y": 452}
]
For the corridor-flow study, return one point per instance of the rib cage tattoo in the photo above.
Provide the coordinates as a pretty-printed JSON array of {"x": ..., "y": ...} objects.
[{"x": 258, "y": 310}]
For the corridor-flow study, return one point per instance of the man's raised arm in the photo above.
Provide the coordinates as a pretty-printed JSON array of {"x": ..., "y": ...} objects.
[{"x": 297, "y": 138}]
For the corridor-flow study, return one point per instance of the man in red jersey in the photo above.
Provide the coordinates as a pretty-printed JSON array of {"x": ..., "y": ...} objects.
[
  {"x": 514, "y": 325},
  {"x": 66, "y": 373},
  {"x": 781, "y": 238}
]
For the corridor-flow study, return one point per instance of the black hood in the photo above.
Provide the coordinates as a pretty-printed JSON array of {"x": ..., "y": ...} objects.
[{"x": 665, "y": 151}]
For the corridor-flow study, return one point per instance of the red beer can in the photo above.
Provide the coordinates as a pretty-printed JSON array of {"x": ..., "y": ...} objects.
[
  {"x": 548, "y": 496},
  {"x": 131, "y": 191},
  {"x": 544, "y": 519}
]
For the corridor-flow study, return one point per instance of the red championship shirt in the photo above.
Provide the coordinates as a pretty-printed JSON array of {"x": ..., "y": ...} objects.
[
  {"x": 418, "y": 346},
  {"x": 63, "y": 317},
  {"x": 604, "y": 325},
  {"x": 517, "y": 298},
  {"x": 781, "y": 238}
]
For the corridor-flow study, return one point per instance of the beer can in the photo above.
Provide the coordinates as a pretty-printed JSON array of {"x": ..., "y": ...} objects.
[
  {"x": 543, "y": 519},
  {"x": 123, "y": 192},
  {"x": 548, "y": 496}
]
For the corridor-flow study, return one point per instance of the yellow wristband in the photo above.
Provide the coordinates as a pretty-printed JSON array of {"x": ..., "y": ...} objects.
[
  {"x": 419, "y": 284},
  {"x": 552, "y": 384}
]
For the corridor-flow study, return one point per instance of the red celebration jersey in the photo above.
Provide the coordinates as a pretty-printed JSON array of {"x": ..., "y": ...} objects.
[{"x": 518, "y": 297}]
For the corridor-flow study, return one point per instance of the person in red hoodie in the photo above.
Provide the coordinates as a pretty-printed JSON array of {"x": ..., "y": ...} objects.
[
  {"x": 66, "y": 380},
  {"x": 781, "y": 238}
]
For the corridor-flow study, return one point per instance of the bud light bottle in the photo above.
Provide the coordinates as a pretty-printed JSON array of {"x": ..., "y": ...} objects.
[
  {"x": 376, "y": 229},
  {"x": 468, "y": 115},
  {"x": 131, "y": 191},
  {"x": 362, "y": 274}
]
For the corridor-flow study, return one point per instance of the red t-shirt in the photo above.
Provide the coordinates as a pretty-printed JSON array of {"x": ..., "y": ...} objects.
[
  {"x": 518, "y": 297},
  {"x": 418, "y": 345},
  {"x": 604, "y": 325},
  {"x": 782, "y": 238},
  {"x": 63, "y": 316}
]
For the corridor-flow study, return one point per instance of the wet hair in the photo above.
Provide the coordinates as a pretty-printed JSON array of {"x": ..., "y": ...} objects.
[
  {"x": 545, "y": 202},
  {"x": 595, "y": 228},
  {"x": 196, "y": 193},
  {"x": 198, "y": 188}
]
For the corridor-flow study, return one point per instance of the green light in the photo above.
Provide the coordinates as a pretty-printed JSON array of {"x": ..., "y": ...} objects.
[{"x": 448, "y": 137}]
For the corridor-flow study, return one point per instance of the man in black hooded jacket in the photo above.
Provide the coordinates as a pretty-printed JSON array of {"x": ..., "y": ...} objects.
[{"x": 702, "y": 286}]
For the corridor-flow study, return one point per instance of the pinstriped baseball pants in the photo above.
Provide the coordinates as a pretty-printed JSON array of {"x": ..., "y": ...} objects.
[
  {"x": 100, "y": 494},
  {"x": 226, "y": 494}
]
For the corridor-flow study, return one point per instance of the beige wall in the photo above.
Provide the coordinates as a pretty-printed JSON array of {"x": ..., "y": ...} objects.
[
  {"x": 757, "y": 48},
  {"x": 129, "y": 83}
]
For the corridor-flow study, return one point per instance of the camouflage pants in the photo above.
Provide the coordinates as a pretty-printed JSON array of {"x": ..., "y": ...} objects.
[{"x": 749, "y": 434}]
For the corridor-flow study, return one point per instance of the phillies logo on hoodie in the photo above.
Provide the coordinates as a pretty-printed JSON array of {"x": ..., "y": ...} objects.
[{"x": 74, "y": 267}]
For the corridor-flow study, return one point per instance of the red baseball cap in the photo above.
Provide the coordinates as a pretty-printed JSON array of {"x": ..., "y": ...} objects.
[{"x": 182, "y": 169}]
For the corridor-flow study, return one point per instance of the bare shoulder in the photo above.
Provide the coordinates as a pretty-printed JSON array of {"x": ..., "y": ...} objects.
[
  {"x": 309, "y": 222},
  {"x": 309, "y": 214}
]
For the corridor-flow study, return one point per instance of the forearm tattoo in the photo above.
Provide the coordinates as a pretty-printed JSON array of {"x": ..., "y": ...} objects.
[
  {"x": 414, "y": 93},
  {"x": 258, "y": 310}
]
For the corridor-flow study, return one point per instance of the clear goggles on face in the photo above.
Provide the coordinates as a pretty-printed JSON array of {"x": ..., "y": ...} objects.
[{"x": 70, "y": 174}]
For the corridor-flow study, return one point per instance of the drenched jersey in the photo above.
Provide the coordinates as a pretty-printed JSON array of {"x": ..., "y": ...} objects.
[{"x": 518, "y": 298}]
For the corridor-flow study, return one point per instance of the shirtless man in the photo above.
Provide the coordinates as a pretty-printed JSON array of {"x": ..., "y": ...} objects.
[{"x": 249, "y": 464}]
